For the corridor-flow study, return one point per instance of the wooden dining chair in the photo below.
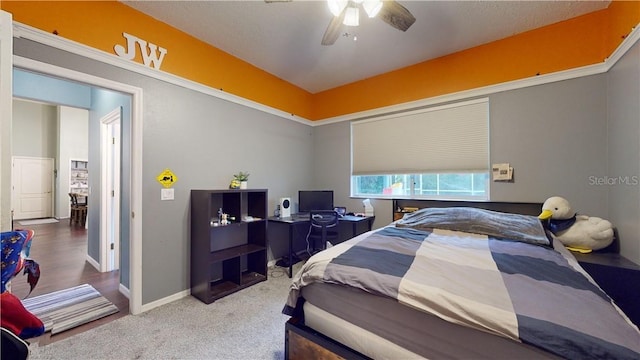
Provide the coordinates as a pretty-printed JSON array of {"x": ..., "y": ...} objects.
[{"x": 78, "y": 211}]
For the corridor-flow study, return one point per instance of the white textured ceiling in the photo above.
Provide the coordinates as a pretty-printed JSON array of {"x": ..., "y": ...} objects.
[{"x": 283, "y": 38}]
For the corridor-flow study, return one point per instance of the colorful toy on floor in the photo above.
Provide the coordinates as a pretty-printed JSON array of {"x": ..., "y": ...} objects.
[
  {"x": 15, "y": 319},
  {"x": 580, "y": 233},
  {"x": 16, "y": 246}
]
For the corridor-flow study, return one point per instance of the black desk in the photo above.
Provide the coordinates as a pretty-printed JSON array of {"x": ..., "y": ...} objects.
[{"x": 297, "y": 227}]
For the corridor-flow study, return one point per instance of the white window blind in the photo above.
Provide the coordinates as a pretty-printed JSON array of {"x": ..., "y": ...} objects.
[{"x": 450, "y": 138}]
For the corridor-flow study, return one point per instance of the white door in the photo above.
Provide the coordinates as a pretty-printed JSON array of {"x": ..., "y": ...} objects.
[
  {"x": 32, "y": 187},
  {"x": 110, "y": 224}
]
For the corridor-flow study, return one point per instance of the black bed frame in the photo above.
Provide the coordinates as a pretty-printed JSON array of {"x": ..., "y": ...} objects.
[{"x": 525, "y": 208}]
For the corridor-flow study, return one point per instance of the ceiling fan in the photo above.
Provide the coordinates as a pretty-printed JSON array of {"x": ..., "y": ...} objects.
[{"x": 346, "y": 12}]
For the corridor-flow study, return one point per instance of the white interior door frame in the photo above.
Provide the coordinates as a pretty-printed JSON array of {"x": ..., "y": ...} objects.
[
  {"x": 135, "y": 235},
  {"x": 110, "y": 190},
  {"x": 6, "y": 114}
]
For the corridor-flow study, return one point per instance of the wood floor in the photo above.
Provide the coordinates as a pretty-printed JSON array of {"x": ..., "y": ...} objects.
[{"x": 61, "y": 251}]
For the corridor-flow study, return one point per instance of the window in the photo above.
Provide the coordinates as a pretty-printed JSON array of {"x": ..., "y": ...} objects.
[
  {"x": 471, "y": 186},
  {"x": 435, "y": 153}
]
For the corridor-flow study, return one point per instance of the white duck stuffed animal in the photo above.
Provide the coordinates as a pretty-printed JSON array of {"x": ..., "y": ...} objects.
[{"x": 579, "y": 233}]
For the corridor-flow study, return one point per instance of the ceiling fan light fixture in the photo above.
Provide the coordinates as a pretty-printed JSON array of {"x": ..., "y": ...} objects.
[
  {"x": 392, "y": 13},
  {"x": 352, "y": 16},
  {"x": 372, "y": 7},
  {"x": 336, "y": 6}
]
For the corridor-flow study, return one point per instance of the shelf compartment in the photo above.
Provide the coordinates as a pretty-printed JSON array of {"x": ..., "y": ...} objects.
[
  {"x": 251, "y": 277},
  {"x": 235, "y": 251},
  {"x": 227, "y": 236},
  {"x": 222, "y": 288}
]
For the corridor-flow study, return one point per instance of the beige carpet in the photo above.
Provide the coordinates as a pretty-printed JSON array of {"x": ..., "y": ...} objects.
[{"x": 247, "y": 324}]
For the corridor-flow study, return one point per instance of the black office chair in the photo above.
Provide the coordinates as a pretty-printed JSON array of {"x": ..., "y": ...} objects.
[{"x": 324, "y": 227}]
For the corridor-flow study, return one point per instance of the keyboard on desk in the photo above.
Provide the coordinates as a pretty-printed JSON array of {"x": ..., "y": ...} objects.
[
  {"x": 352, "y": 218},
  {"x": 300, "y": 216}
]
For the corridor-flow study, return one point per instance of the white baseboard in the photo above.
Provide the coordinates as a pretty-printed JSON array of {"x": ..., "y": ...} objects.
[
  {"x": 124, "y": 291},
  {"x": 93, "y": 263},
  {"x": 166, "y": 300}
]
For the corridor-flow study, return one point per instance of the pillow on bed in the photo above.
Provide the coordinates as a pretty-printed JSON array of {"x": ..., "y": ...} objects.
[{"x": 525, "y": 228}]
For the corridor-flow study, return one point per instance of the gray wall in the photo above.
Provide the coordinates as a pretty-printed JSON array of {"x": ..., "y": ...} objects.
[
  {"x": 559, "y": 137},
  {"x": 554, "y": 136},
  {"x": 34, "y": 129},
  {"x": 204, "y": 140},
  {"x": 624, "y": 151},
  {"x": 73, "y": 144}
]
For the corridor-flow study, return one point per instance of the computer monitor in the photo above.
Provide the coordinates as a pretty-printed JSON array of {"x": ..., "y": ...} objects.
[{"x": 315, "y": 200}]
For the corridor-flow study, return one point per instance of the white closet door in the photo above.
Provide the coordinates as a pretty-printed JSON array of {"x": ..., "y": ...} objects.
[{"x": 32, "y": 188}]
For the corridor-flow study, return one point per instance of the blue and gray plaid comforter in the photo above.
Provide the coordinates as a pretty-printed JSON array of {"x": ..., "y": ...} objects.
[{"x": 529, "y": 293}]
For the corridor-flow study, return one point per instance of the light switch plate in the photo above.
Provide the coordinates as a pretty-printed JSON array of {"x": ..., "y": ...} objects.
[{"x": 166, "y": 194}]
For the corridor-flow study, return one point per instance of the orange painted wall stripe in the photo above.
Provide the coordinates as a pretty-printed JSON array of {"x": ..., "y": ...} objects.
[
  {"x": 100, "y": 24},
  {"x": 569, "y": 44},
  {"x": 623, "y": 16},
  {"x": 577, "y": 42}
]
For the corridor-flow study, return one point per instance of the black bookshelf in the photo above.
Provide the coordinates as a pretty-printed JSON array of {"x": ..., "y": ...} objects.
[{"x": 230, "y": 257}]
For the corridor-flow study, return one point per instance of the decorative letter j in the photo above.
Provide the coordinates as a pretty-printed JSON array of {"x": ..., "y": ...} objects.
[{"x": 131, "y": 47}]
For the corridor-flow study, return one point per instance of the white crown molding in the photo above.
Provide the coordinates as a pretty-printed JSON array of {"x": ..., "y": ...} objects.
[
  {"x": 603, "y": 67},
  {"x": 468, "y": 94},
  {"x": 622, "y": 49},
  {"x": 28, "y": 32}
]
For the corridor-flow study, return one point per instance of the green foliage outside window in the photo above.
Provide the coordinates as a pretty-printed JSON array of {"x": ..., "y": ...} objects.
[{"x": 428, "y": 186}]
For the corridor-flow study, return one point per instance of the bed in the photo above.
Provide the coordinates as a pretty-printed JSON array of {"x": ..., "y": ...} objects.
[{"x": 453, "y": 282}]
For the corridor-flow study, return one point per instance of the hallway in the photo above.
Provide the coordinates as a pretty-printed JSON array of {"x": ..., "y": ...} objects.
[{"x": 61, "y": 251}]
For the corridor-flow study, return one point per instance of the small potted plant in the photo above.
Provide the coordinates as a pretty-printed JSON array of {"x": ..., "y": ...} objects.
[{"x": 241, "y": 178}]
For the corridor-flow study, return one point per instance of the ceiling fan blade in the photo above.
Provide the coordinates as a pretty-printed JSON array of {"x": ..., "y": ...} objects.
[
  {"x": 396, "y": 15},
  {"x": 333, "y": 30}
]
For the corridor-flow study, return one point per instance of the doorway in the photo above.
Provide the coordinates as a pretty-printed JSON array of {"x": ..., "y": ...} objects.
[
  {"x": 110, "y": 190},
  {"x": 130, "y": 279},
  {"x": 64, "y": 132}
]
